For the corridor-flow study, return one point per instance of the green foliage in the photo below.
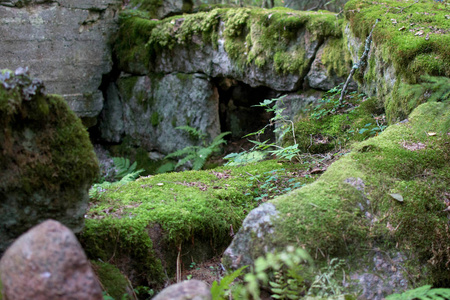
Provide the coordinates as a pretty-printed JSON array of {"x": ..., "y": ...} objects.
[
  {"x": 286, "y": 274},
  {"x": 283, "y": 126},
  {"x": 221, "y": 290},
  {"x": 326, "y": 284},
  {"x": 333, "y": 125},
  {"x": 329, "y": 104},
  {"x": 196, "y": 155},
  {"x": 126, "y": 172},
  {"x": 423, "y": 293},
  {"x": 245, "y": 157},
  {"x": 125, "y": 169},
  {"x": 272, "y": 183}
]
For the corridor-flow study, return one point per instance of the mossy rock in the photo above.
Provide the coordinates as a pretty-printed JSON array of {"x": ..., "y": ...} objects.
[
  {"x": 279, "y": 40},
  {"x": 47, "y": 161},
  {"x": 410, "y": 44},
  {"x": 144, "y": 226},
  {"x": 354, "y": 207},
  {"x": 329, "y": 126},
  {"x": 113, "y": 282}
]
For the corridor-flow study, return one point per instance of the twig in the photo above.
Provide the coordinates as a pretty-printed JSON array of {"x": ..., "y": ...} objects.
[
  {"x": 401, "y": 10},
  {"x": 179, "y": 264},
  {"x": 362, "y": 61}
]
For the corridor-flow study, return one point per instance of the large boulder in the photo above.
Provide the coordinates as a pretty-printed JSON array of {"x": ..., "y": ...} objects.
[
  {"x": 47, "y": 262},
  {"x": 148, "y": 109},
  {"x": 47, "y": 161},
  {"x": 380, "y": 207},
  {"x": 65, "y": 43}
]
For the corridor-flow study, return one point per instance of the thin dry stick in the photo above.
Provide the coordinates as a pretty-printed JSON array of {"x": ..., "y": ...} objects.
[
  {"x": 362, "y": 61},
  {"x": 179, "y": 264}
]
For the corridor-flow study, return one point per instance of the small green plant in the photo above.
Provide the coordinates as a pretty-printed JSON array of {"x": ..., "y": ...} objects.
[
  {"x": 125, "y": 168},
  {"x": 222, "y": 290},
  {"x": 144, "y": 292},
  {"x": 326, "y": 283},
  {"x": 196, "y": 155},
  {"x": 126, "y": 172},
  {"x": 272, "y": 183},
  {"x": 284, "y": 272},
  {"x": 329, "y": 104},
  {"x": 424, "y": 293},
  {"x": 288, "y": 274},
  {"x": 282, "y": 125}
]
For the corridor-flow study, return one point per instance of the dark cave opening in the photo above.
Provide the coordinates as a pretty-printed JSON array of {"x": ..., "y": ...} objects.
[{"x": 237, "y": 111}]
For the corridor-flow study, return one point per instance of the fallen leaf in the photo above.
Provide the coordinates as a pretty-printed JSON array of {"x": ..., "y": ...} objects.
[
  {"x": 394, "y": 21},
  {"x": 160, "y": 184},
  {"x": 413, "y": 146},
  {"x": 419, "y": 32},
  {"x": 431, "y": 133},
  {"x": 447, "y": 17},
  {"x": 402, "y": 28},
  {"x": 397, "y": 197},
  {"x": 427, "y": 37}
]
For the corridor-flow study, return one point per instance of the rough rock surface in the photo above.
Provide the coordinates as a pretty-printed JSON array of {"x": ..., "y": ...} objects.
[
  {"x": 195, "y": 56},
  {"x": 186, "y": 290},
  {"x": 47, "y": 160},
  {"x": 64, "y": 43},
  {"x": 174, "y": 7},
  {"x": 335, "y": 6},
  {"x": 148, "y": 109},
  {"x": 383, "y": 84},
  {"x": 245, "y": 246},
  {"x": 47, "y": 262},
  {"x": 321, "y": 76}
]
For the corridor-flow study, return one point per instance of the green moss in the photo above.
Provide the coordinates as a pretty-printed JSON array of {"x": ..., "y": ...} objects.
[
  {"x": 412, "y": 54},
  {"x": 154, "y": 119},
  {"x": 150, "y": 6},
  {"x": 187, "y": 210},
  {"x": 47, "y": 160},
  {"x": 336, "y": 57},
  {"x": 129, "y": 44},
  {"x": 252, "y": 36},
  {"x": 327, "y": 214},
  {"x": 326, "y": 127},
  {"x": 113, "y": 281}
]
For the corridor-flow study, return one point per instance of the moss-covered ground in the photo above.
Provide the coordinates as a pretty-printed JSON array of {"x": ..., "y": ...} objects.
[
  {"x": 355, "y": 204},
  {"x": 191, "y": 211}
]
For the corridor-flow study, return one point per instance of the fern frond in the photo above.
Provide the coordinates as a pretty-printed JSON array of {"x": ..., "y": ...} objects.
[
  {"x": 193, "y": 132},
  {"x": 218, "y": 140},
  {"x": 130, "y": 177},
  {"x": 124, "y": 167},
  {"x": 181, "y": 152}
]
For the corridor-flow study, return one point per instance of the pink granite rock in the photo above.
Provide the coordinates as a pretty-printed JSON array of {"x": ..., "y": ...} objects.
[{"x": 46, "y": 263}]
